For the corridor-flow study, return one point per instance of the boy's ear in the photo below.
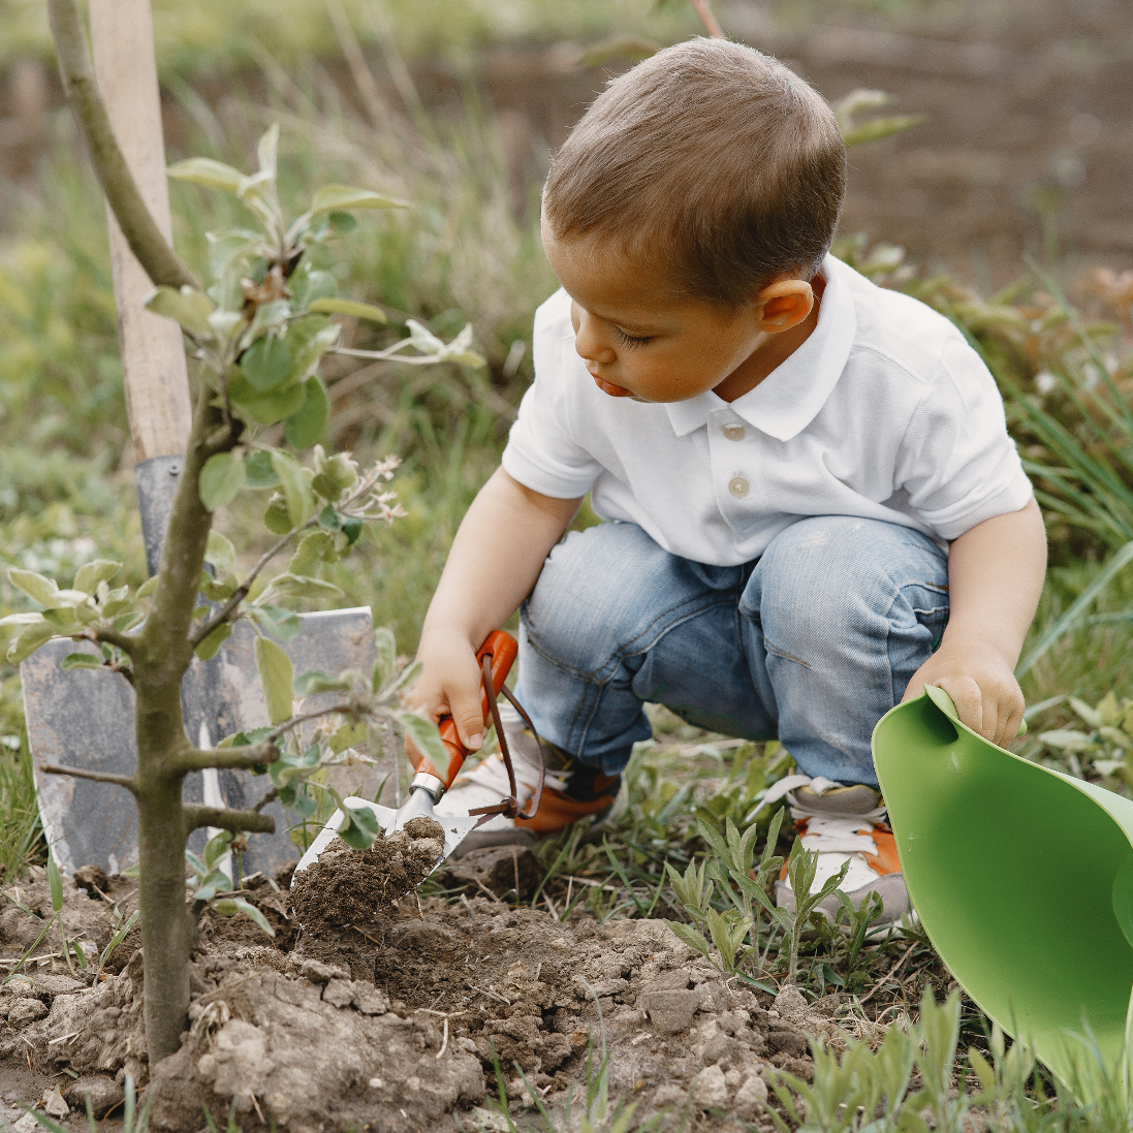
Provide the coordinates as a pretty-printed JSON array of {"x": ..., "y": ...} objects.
[{"x": 785, "y": 303}]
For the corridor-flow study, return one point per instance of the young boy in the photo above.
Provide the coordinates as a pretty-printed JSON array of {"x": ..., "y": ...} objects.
[{"x": 812, "y": 504}]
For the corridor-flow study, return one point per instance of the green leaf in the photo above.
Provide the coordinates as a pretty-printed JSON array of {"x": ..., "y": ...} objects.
[
  {"x": 385, "y": 667},
  {"x": 221, "y": 480},
  {"x": 283, "y": 625},
  {"x": 215, "y": 849},
  {"x": 276, "y": 674},
  {"x": 35, "y": 586},
  {"x": 361, "y": 829},
  {"x": 266, "y": 363},
  {"x": 1067, "y": 739},
  {"x": 688, "y": 935},
  {"x": 314, "y": 681},
  {"x": 297, "y": 586},
  {"x": 296, "y": 489},
  {"x": 188, "y": 306},
  {"x": 276, "y": 519},
  {"x": 306, "y": 426},
  {"x": 427, "y": 740},
  {"x": 225, "y": 247},
  {"x": 71, "y": 617},
  {"x": 28, "y": 619},
  {"x": 333, "y": 306},
  {"x": 205, "y": 171},
  {"x": 310, "y": 553},
  {"x": 258, "y": 470},
  {"x": 350, "y": 734},
  {"x": 270, "y": 408},
  {"x": 55, "y": 881},
  {"x": 331, "y": 198},
  {"x": 81, "y": 661},
  {"x": 29, "y": 641},
  {"x": 89, "y": 575},
  {"x": 230, "y": 906},
  {"x": 219, "y": 552},
  {"x": 147, "y": 587},
  {"x": 209, "y": 648},
  {"x": 308, "y": 284}
]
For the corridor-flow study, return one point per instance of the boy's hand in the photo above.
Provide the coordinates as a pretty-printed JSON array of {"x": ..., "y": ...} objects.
[
  {"x": 981, "y": 682},
  {"x": 449, "y": 683}
]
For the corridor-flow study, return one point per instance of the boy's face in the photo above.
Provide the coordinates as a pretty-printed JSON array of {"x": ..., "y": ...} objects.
[{"x": 638, "y": 340}]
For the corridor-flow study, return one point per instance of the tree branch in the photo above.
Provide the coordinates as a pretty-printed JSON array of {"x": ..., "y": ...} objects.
[
  {"x": 226, "y": 758},
  {"x": 122, "y": 641},
  {"x": 225, "y": 819},
  {"x": 126, "y": 781},
  {"x": 146, "y": 241}
]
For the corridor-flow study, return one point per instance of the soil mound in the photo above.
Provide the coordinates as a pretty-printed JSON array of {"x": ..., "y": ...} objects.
[{"x": 346, "y": 886}]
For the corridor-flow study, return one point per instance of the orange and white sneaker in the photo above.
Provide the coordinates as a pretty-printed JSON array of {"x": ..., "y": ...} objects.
[
  {"x": 843, "y": 823},
  {"x": 571, "y": 791}
]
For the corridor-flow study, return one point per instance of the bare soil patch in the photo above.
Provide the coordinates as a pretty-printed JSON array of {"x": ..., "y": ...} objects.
[{"x": 395, "y": 1020}]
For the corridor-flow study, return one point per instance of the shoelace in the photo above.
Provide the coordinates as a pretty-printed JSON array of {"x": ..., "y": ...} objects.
[{"x": 826, "y": 832}]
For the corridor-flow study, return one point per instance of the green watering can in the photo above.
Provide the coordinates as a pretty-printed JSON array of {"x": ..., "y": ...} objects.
[{"x": 1022, "y": 877}]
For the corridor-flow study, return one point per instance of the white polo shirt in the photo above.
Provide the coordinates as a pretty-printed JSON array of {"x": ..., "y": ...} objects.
[{"x": 884, "y": 412}]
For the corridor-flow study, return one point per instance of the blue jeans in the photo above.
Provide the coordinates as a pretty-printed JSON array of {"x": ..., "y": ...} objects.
[{"x": 812, "y": 643}]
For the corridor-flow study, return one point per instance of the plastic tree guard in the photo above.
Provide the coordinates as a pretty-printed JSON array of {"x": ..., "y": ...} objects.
[{"x": 1021, "y": 876}]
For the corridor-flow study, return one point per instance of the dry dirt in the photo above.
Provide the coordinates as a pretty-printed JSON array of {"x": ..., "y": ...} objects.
[{"x": 391, "y": 1023}]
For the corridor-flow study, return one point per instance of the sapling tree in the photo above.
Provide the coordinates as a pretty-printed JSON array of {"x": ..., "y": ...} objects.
[{"x": 257, "y": 335}]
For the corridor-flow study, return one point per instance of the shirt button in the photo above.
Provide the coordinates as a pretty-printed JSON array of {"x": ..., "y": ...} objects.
[
  {"x": 734, "y": 432},
  {"x": 738, "y": 486}
]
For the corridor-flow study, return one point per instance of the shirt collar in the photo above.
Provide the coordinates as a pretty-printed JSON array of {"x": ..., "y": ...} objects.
[{"x": 789, "y": 398}]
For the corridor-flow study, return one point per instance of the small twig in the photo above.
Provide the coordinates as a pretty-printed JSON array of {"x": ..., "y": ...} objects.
[
  {"x": 444, "y": 1041},
  {"x": 489, "y": 892},
  {"x": 269, "y": 797},
  {"x": 64, "y": 1038},
  {"x": 890, "y": 975},
  {"x": 493, "y": 994},
  {"x": 126, "y": 781},
  {"x": 221, "y": 616},
  {"x": 551, "y": 906}
]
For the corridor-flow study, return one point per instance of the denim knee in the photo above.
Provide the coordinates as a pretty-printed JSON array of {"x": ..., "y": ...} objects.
[{"x": 606, "y": 595}]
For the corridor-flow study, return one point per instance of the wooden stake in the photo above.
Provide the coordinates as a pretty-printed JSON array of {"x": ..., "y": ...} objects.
[{"x": 153, "y": 357}]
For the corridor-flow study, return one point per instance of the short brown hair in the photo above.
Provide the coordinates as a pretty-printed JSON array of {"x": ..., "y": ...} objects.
[{"x": 711, "y": 157}]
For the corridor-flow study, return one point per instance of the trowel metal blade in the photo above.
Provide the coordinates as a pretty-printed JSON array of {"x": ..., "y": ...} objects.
[{"x": 455, "y": 828}]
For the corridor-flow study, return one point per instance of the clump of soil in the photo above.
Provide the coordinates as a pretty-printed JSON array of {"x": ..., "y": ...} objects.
[{"x": 347, "y": 887}]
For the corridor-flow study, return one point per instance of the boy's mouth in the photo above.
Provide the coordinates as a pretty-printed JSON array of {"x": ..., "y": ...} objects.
[{"x": 610, "y": 388}]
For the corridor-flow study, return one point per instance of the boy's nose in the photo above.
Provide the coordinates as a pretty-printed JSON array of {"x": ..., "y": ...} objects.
[{"x": 589, "y": 342}]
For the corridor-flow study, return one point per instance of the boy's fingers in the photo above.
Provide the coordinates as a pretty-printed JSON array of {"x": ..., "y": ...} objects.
[{"x": 468, "y": 718}]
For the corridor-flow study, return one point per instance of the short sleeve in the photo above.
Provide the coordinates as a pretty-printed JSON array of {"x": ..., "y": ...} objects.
[
  {"x": 956, "y": 461},
  {"x": 542, "y": 452}
]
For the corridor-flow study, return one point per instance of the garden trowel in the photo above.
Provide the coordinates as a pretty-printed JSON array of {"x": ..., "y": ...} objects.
[
  {"x": 1022, "y": 876},
  {"x": 495, "y": 656}
]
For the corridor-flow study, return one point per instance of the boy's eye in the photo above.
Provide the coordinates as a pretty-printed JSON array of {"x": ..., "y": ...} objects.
[{"x": 630, "y": 341}]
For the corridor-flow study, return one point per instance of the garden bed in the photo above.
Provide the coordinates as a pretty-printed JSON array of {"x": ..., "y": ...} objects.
[{"x": 399, "y": 1023}]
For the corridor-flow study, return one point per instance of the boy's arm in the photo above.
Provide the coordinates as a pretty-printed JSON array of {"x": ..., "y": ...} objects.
[
  {"x": 495, "y": 559},
  {"x": 995, "y": 576}
]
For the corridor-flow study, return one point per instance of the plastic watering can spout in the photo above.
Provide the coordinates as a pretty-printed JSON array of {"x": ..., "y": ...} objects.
[{"x": 1022, "y": 877}]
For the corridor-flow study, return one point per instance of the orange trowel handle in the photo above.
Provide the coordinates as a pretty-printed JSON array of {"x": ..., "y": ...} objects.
[{"x": 502, "y": 649}]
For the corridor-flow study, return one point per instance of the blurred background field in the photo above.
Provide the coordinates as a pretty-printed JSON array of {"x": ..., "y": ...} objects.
[{"x": 1007, "y": 208}]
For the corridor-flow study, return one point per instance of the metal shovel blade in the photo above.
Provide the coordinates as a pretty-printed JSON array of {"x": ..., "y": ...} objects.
[{"x": 419, "y": 805}]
